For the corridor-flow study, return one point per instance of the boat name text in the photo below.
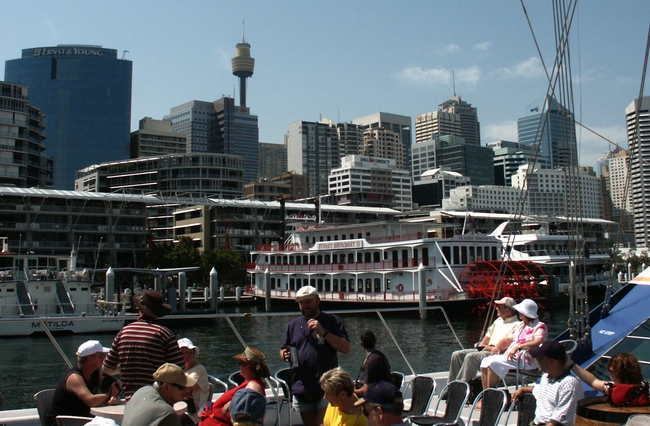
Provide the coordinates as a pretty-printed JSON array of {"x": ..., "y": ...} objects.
[
  {"x": 54, "y": 324},
  {"x": 335, "y": 245}
]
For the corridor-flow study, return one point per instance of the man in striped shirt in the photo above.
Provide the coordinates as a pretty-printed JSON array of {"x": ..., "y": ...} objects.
[
  {"x": 558, "y": 392},
  {"x": 143, "y": 346}
]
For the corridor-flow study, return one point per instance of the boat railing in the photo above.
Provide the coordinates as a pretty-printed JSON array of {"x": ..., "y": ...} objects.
[
  {"x": 427, "y": 262},
  {"x": 367, "y": 296}
]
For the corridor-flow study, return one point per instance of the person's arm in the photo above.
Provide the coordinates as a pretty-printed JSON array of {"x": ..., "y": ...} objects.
[
  {"x": 522, "y": 390},
  {"x": 75, "y": 384},
  {"x": 362, "y": 390},
  {"x": 339, "y": 343},
  {"x": 586, "y": 376},
  {"x": 253, "y": 385}
]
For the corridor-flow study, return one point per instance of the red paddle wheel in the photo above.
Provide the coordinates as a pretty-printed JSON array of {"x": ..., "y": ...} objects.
[{"x": 518, "y": 279}]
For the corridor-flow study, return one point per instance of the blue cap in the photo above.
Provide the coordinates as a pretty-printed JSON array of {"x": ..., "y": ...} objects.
[
  {"x": 247, "y": 405},
  {"x": 381, "y": 393}
]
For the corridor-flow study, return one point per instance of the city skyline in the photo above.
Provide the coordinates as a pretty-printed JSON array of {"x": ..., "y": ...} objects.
[{"x": 351, "y": 60}]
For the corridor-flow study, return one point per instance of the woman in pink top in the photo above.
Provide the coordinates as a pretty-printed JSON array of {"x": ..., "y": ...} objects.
[{"x": 527, "y": 334}]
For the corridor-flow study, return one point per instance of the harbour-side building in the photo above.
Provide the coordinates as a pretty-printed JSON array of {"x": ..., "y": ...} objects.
[
  {"x": 104, "y": 229},
  {"x": 637, "y": 117},
  {"x": 550, "y": 127},
  {"x": 156, "y": 137},
  {"x": 23, "y": 162},
  {"x": 371, "y": 182},
  {"x": 219, "y": 127},
  {"x": 272, "y": 160},
  {"x": 85, "y": 92},
  {"x": 563, "y": 191},
  {"x": 175, "y": 175}
]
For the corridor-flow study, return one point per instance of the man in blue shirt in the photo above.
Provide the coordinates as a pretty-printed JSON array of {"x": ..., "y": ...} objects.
[{"x": 315, "y": 337}]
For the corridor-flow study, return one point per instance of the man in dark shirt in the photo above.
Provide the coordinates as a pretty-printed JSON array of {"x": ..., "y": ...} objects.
[
  {"x": 375, "y": 367},
  {"x": 76, "y": 391},
  {"x": 315, "y": 337}
]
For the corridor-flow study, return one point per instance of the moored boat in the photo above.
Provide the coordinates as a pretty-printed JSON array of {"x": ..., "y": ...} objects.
[
  {"x": 44, "y": 293},
  {"x": 377, "y": 264}
]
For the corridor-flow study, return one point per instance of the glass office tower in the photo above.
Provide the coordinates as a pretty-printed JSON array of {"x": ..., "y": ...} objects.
[{"x": 85, "y": 92}]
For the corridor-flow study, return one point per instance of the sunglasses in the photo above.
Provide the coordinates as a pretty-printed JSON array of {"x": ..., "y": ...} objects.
[
  {"x": 179, "y": 387},
  {"x": 366, "y": 412}
]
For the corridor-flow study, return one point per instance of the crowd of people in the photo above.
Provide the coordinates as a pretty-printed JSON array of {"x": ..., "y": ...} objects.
[{"x": 157, "y": 370}]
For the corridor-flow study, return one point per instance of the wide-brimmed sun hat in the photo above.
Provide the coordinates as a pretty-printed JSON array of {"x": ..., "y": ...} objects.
[
  {"x": 252, "y": 356},
  {"x": 151, "y": 304},
  {"x": 527, "y": 308}
]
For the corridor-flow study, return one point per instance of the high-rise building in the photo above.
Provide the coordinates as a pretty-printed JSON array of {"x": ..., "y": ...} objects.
[
  {"x": 219, "y": 127},
  {"x": 453, "y": 117},
  {"x": 309, "y": 152},
  {"x": 400, "y": 124},
  {"x": 272, "y": 159},
  {"x": 617, "y": 181},
  {"x": 371, "y": 182},
  {"x": 156, "y": 137},
  {"x": 637, "y": 116},
  {"x": 22, "y": 132},
  {"x": 470, "y": 128},
  {"x": 551, "y": 127},
  {"x": 475, "y": 162},
  {"x": 384, "y": 143},
  {"x": 508, "y": 156},
  {"x": 85, "y": 92}
]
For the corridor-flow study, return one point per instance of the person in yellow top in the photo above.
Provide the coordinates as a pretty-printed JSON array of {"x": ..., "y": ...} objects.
[{"x": 339, "y": 391}]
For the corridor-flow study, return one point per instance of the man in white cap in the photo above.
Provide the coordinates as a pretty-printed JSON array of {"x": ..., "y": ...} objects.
[
  {"x": 154, "y": 405},
  {"x": 316, "y": 337},
  {"x": 466, "y": 363},
  {"x": 143, "y": 346},
  {"x": 77, "y": 390},
  {"x": 200, "y": 391}
]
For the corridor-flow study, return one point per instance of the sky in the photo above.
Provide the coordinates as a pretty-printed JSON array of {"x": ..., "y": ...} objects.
[{"x": 347, "y": 59}]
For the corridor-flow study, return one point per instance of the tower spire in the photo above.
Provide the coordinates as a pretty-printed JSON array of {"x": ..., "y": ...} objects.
[{"x": 243, "y": 66}]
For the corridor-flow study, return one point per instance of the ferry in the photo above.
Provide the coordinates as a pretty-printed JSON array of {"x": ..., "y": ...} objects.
[
  {"x": 385, "y": 263},
  {"x": 46, "y": 294}
]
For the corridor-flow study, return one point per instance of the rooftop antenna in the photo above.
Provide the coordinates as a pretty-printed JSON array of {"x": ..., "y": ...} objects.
[
  {"x": 124, "y": 52},
  {"x": 453, "y": 81}
]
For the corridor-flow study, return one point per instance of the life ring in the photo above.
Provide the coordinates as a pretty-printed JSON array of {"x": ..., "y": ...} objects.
[{"x": 400, "y": 287}]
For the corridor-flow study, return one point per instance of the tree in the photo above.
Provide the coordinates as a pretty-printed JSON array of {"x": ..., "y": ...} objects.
[{"x": 230, "y": 265}]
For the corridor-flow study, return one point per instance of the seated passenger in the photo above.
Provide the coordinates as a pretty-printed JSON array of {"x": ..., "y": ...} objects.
[
  {"x": 339, "y": 391},
  {"x": 627, "y": 388},
  {"x": 528, "y": 334},
  {"x": 253, "y": 369},
  {"x": 81, "y": 387},
  {"x": 375, "y": 367},
  {"x": 201, "y": 389},
  {"x": 558, "y": 392},
  {"x": 247, "y": 408},
  {"x": 465, "y": 363}
]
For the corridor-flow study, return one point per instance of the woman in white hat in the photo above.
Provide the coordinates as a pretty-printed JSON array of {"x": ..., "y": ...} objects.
[
  {"x": 192, "y": 368},
  {"x": 529, "y": 333}
]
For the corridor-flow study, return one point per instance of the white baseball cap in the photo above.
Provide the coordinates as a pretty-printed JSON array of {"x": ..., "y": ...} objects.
[
  {"x": 187, "y": 343},
  {"x": 91, "y": 347}
]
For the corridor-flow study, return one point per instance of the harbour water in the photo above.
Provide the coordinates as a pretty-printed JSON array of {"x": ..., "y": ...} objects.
[{"x": 30, "y": 364}]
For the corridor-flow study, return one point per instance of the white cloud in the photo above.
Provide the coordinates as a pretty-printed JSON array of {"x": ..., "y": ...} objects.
[
  {"x": 451, "y": 48},
  {"x": 483, "y": 46},
  {"x": 530, "y": 68},
  {"x": 506, "y": 131},
  {"x": 592, "y": 146},
  {"x": 224, "y": 59},
  {"x": 432, "y": 77}
]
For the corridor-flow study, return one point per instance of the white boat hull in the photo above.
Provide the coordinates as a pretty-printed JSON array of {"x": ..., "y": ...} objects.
[{"x": 64, "y": 324}]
